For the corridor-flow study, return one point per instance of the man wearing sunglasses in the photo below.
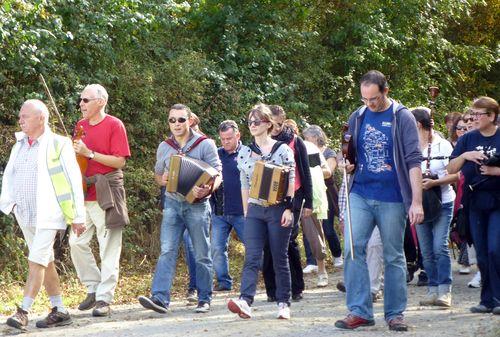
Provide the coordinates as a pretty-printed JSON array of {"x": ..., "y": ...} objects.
[
  {"x": 384, "y": 187},
  {"x": 179, "y": 215},
  {"x": 105, "y": 145}
]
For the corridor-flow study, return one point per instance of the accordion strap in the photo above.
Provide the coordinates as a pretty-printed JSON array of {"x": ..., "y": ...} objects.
[
  {"x": 255, "y": 148},
  {"x": 171, "y": 141}
]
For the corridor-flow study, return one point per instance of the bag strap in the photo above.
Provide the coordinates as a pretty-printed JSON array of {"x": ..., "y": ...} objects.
[{"x": 255, "y": 148}]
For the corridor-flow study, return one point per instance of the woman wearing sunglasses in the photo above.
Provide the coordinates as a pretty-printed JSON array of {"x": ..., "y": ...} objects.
[
  {"x": 475, "y": 155},
  {"x": 264, "y": 224}
]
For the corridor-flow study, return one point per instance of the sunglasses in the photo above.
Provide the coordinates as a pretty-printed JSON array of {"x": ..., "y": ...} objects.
[
  {"x": 461, "y": 128},
  {"x": 86, "y": 100},
  {"x": 467, "y": 120},
  {"x": 172, "y": 120},
  {"x": 256, "y": 122}
]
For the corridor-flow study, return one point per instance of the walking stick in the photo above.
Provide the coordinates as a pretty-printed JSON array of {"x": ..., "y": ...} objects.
[
  {"x": 53, "y": 104},
  {"x": 346, "y": 145}
]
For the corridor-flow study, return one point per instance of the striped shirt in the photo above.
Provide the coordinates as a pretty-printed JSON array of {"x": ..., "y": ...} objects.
[{"x": 25, "y": 182}]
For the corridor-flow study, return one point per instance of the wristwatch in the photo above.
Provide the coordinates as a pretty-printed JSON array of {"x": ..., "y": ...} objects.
[{"x": 91, "y": 155}]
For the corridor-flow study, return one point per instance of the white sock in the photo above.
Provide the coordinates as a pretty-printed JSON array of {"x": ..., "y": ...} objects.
[
  {"x": 27, "y": 303},
  {"x": 56, "y": 301}
]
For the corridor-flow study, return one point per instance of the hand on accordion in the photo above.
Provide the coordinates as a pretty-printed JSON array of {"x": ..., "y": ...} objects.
[
  {"x": 287, "y": 218},
  {"x": 202, "y": 191}
]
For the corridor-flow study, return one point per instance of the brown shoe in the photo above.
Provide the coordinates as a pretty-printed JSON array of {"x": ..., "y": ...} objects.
[
  {"x": 19, "y": 320},
  {"x": 397, "y": 324},
  {"x": 101, "y": 309},
  {"x": 88, "y": 302},
  {"x": 353, "y": 322},
  {"x": 55, "y": 318}
]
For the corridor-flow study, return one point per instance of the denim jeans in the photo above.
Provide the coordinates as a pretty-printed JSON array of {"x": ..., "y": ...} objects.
[
  {"x": 190, "y": 260},
  {"x": 177, "y": 217},
  {"x": 263, "y": 224},
  {"x": 485, "y": 230},
  {"x": 390, "y": 218},
  {"x": 433, "y": 239},
  {"x": 221, "y": 230}
]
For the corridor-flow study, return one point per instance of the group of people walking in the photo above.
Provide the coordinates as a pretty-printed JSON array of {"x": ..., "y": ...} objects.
[{"x": 395, "y": 164}]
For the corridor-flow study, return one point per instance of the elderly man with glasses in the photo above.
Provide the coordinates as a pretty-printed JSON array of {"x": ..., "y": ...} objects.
[{"x": 179, "y": 214}]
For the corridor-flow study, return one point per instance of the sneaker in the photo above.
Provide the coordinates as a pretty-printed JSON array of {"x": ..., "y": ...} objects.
[
  {"x": 496, "y": 311},
  {"x": 310, "y": 268},
  {"x": 101, "y": 309},
  {"x": 429, "y": 299},
  {"x": 55, "y": 318},
  {"x": 480, "y": 309},
  {"x": 397, "y": 324},
  {"x": 153, "y": 304},
  {"x": 476, "y": 281},
  {"x": 283, "y": 311},
  {"x": 192, "y": 296},
  {"x": 297, "y": 297},
  {"x": 202, "y": 308},
  {"x": 88, "y": 302},
  {"x": 352, "y": 322},
  {"x": 444, "y": 300},
  {"x": 422, "y": 279},
  {"x": 322, "y": 280},
  {"x": 341, "y": 286},
  {"x": 240, "y": 307},
  {"x": 464, "y": 271},
  {"x": 221, "y": 288},
  {"x": 338, "y": 261},
  {"x": 19, "y": 320}
]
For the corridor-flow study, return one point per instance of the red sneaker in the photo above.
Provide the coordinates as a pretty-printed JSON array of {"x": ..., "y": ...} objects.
[{"x": 353, "y": 322}]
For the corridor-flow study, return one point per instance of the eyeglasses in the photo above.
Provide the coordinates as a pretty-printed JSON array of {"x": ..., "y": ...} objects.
[
  {"x": 173, "y": 120},
  {"x": 86, "y": 100},
  {"x": 461, "y": 128},
  {"x": 370, "y": 100},
  {"x": 256, "y": 122},
  {"x": 477, "y": 114}
]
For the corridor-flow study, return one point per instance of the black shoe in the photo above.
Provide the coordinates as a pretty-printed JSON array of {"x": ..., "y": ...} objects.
[
  {"x": 19, "y": 320},
  {"x": 220, "y": 288},
  {"x": 341, "y": 286},
  {"x": 271, "y": 299},
  {"x": 422, "y": 279},
  {"x": 55, "y": 318},
  {"x": 101, "y": 309},
  {"x": 88, "y": 302},
  {"x": 297, "y": 297},
  {"x": 153, "y": 304},
  {"x": 202, "y": 308}
]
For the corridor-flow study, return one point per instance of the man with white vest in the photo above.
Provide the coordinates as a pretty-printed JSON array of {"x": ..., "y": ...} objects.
[{"x": 42, "y": 186}]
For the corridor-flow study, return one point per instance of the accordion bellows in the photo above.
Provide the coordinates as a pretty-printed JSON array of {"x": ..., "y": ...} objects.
[
  {"x": 269, "y": 183},
  {"x": 184, "y": 173}
]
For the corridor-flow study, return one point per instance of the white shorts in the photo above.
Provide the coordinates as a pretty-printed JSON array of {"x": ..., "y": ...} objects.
[{"x": 40, "y": 244}]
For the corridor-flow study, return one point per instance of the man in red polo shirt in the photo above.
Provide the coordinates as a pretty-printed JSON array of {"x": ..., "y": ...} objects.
[{"x": 104, "y": 143}]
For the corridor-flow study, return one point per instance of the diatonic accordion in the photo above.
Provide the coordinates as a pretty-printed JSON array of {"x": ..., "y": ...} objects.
[
  {"x": 269, "y": 183},
  {"x": 184, "y": 173}
]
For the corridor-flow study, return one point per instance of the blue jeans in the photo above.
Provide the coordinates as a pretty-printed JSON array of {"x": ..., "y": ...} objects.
[
  {"x": 433, "y": 240},
  {"x": 390, "y": 218},
  {"x": 263, "y": 224},
  {"x": 221, "y": 228},
  {"x": 190, "y": 260},
  {"x": 177, "y": 217},
  {"x": 485, "y": 230}
]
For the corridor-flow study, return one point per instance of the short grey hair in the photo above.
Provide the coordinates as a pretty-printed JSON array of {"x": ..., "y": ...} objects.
[
  {"x": 228, "y": 124},
  {"x": 40, "y": 108},
  {"x": 100, "y": 90},
  {"x": 315, "y": 132}
]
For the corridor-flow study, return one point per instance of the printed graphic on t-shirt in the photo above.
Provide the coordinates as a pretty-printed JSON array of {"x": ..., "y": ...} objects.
[
  {"x": 376, "y": 150},
  {"x": 487, "y": 150}
]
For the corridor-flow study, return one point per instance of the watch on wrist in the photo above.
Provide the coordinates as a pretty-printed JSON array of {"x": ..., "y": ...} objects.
[{"x": 91, "y": 155}]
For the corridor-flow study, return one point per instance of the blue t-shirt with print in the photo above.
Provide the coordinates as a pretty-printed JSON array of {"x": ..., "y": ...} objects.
[{"x": 375, "y": 176}]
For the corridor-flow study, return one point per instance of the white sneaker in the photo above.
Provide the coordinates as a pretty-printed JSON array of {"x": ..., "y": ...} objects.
[
  {"x": 322, "y": 280},
  {"x": 310, "y": 268},
  {"x": 429, "y": 299},
  {"x": 283, "y": 311},
  {"x": 476, "y": 281},
  {"x": 338, "y": 261},
  {"x": 240, "y": 307},
  {"x": 464, "y": 271},
  {"x": 444, "y": 300}
]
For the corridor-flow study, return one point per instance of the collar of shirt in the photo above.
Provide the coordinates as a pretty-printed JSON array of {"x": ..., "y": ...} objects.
[{"x": 226, "y": 154}]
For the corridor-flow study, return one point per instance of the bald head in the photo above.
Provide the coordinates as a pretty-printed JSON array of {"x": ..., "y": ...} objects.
[
  {"x": 33, "y": 117},
  {"x": 98, "y": 91}
]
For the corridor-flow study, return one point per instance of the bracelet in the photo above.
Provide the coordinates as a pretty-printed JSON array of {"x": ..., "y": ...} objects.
[{"x": 287, "y": 202}]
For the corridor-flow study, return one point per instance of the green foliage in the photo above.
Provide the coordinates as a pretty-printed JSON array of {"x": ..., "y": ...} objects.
[{"x": 220, "y": 57}]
